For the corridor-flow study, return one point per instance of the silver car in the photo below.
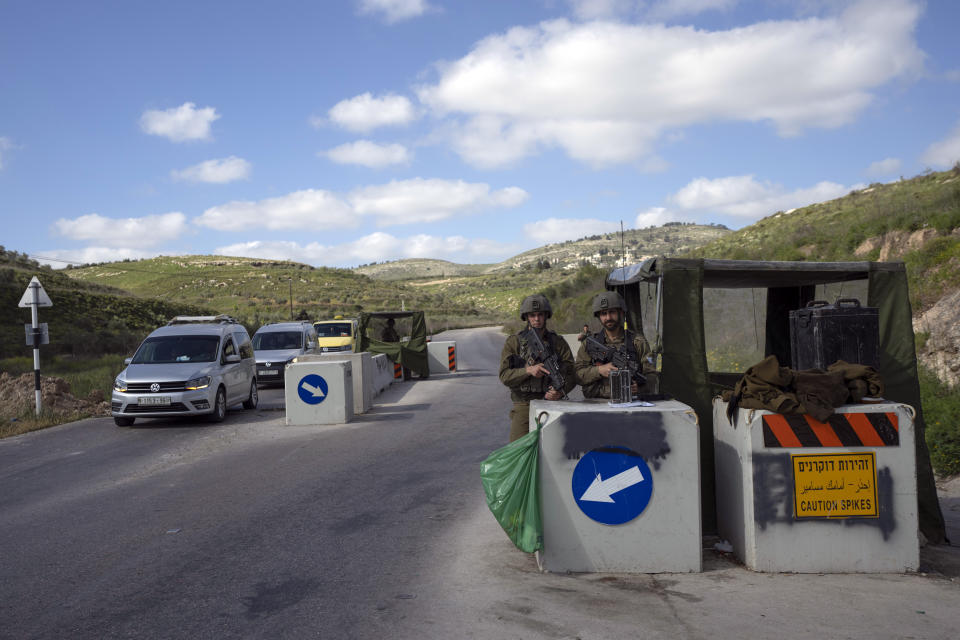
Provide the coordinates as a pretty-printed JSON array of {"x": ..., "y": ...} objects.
[
  {"x": 196, "y": 365},
  {"x": 276, "y": 344}
]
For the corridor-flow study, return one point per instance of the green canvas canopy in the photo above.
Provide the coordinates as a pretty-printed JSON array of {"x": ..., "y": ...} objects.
[
  {"x": 411, "y": 354},
  {"x": 790, "y": 285}
]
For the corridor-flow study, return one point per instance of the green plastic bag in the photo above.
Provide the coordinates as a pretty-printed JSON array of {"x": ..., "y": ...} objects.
[{"x": 512, "y": 485}]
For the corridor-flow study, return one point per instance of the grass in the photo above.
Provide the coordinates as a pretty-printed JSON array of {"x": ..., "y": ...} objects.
[
  {"x": 941, "y": 412},
  {"x": 83, "y": 375},
  {"x": 28, "y": 421}
]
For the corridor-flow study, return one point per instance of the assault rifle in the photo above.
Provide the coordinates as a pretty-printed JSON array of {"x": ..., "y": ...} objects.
[
  {"x": 545, "y": 356},
  {"x": 619, "y": 356}
]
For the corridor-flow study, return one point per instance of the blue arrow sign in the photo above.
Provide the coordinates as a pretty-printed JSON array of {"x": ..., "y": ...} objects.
[
  {"x": 612, "y": 485},
  {"x": 312, "y": 389}
]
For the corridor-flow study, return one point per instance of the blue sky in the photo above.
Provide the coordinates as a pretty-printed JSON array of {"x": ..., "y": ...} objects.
[{"x": 345, "y": 132}]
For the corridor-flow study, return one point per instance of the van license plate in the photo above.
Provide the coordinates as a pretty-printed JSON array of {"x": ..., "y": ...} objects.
[
  {"x": 268, "y": 372},
  {"x": 153, "y": 400}
]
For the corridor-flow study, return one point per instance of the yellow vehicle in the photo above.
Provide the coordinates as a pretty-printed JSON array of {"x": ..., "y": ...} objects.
[{"x": 339, "y": 334}]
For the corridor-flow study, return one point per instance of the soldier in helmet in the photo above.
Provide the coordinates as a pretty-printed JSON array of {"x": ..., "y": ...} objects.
[
  {"x": 593, "y": 374},
  {"x": 527, "y": 379}
]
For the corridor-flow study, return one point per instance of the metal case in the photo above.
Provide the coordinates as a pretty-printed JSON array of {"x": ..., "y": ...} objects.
[{"x": 822, "y": 333}]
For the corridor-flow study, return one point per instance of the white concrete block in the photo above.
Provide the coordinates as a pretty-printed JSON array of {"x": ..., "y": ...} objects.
[
  {"x": 619, "y": 487},
  {"x": 362, "y": 372},
  {"x": 572, "y": 342},
  {"x": 318, "y": 392},
  {"x": 382, "y": 373},
  {"x": 780, "y": 516},
  {"x": 442, "y": 356}
]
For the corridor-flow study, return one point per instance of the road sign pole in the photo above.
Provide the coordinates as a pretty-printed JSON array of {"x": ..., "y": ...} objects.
[
  {"x": 34, "y": 317},
  {"x": 35, "y": 297}
]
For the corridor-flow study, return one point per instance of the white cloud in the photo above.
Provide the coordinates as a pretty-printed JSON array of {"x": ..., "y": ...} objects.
[
  {"x": 309, "y": 210},
  {"x": 593, "y": 9},
  {"x": 218, "y": 171},
  {"x": 376, "y": 247},
  {"x": 429, "y": 200},
  {"x": 148, "y": 231},
  {"x": 58, "y": 258},
  {"x": 654, "y": 217},
  {"x": 395, "y": 203},
  {"x": 885, "y": 167},
  {"x": 369, "y": 154},
  {"x": 946, "y": 152},
  {"x": 364, "y": 113},
  {"x": 394, "y": 10},
  {"x": 606, "y": 92},
  {"x": 179, "y": 124},
  {"x": 553, "y": 230},
  {"x": 5, "y": 145},
  {"x": 667, "y": 9},
  {"x": 743, "y": 196}
]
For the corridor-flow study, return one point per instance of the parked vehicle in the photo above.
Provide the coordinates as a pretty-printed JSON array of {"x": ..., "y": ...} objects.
[
  {"x": 339, "y": 334},
  {"x": 276, "y": 344},
  {"x": 195, "y": 365}
]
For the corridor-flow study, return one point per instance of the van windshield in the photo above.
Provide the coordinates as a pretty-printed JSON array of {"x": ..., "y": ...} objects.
[
  {"x": 276, "y": 340},
  {"x": 333, "y": 330},
  {"x": 169, "y": 349}
]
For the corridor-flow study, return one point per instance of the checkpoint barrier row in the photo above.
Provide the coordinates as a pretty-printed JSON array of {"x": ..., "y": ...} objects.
[
  {"x": 362, "y": 375},
  {"x": 318, "y": 392},
  {"x": 382, "y": 373},
  {"x": 619, "y": 487},
  {"x": 442, "y": 356},
  {"x": 798, "y": 495}
]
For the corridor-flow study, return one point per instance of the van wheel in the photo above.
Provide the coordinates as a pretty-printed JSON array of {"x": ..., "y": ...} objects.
[
  {"x": 124, "y": 422},
  {"x": 219, "y": 406},
  {"x": 254, "y": 399}
]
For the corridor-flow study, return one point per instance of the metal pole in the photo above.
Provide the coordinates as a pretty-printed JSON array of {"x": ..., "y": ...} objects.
[
  {"x": 291, "y": 299},
  {"x": 36, "y": 346}
]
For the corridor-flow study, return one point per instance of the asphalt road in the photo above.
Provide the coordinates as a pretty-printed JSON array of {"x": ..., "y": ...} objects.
[{"x": 374, "y": 529}]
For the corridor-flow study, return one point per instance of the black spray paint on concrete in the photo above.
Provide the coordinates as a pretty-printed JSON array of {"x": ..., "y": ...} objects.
[
  {"x": 642, "y": 432},
  {"x": 773, "y": 497}
]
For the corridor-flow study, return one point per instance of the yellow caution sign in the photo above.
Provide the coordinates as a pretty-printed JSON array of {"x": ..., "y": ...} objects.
[{"x": 835, "y": 485}]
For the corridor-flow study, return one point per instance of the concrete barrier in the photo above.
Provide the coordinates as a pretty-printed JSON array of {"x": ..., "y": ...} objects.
[
  {"x": 798, "y": 495},
  {"x": 362, "y": 372},
  {"x": 619, "y": 487},
  {"x": 382, "y": 373},
  {"x": 318, "y": 392},
  {"x": 572, "y": 342},
  {"x": 442, "y": 356}
]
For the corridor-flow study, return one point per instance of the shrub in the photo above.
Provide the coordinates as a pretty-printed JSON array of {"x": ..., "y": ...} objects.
[{"x": 941, "y": 412}]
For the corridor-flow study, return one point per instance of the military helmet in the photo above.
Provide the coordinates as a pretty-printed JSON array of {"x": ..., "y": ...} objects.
[
  {"x": 607, "y": 300},
  {"x": 536, "y": 302}
]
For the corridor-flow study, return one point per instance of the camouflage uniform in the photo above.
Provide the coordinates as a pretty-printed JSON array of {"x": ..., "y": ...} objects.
[
  {"x": 523, "y": 386},
  {"x": 596, "y": 386}
]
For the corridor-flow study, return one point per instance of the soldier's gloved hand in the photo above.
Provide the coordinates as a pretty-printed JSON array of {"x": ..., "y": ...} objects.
[
  {"x": 605, "y": 369},
  {"x": 552, "y": 394},
  {"x": 537, "y": 370}
]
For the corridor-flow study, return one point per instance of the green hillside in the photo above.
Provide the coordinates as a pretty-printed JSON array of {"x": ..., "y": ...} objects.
[
  {"x": 260, "y": 291},
  {"x": 86, "y": 319},
  {"x": 602, "y": 250}
]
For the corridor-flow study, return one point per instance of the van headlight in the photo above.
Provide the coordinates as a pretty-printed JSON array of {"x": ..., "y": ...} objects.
[
  {"x": 119, "y": 384},
  {"x": 198, "y": 383}
]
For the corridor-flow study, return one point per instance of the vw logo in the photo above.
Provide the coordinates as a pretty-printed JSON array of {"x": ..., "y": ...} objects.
[
  {"x": 155, "y": 387},
  {"x": 266, "y": 364}
]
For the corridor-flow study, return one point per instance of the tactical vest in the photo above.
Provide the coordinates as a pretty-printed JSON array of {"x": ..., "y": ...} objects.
[
  {"x": 628, "y": 338},
  {"x": 535, "y": 385}
]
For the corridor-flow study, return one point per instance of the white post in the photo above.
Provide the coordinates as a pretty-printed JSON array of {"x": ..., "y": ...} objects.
[{"x": 36, "y": 346}]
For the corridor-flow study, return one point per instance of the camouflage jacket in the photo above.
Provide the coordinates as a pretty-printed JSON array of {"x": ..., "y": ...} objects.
[
  {"x": 588, "y": 376},
  {"x": 516, "y": 356}
]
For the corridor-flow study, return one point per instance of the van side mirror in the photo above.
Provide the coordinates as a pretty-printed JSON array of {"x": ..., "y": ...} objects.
[
  {"x": 127, "y": 361},
  {"x": 233, "y": 357}
]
